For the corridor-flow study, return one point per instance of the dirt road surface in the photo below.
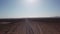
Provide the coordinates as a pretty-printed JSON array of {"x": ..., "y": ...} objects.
[{"x": 27, "y": 26}]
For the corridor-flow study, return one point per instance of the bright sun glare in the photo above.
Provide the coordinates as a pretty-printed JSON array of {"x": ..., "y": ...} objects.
[{"x": 31, "y": 1}]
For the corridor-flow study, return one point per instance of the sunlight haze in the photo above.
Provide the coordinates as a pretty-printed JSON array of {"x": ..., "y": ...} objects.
[{"x": 29, "y": 8}]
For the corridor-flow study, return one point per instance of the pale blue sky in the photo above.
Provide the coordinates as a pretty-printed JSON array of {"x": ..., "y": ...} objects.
[{"x": 24, "y": 8}]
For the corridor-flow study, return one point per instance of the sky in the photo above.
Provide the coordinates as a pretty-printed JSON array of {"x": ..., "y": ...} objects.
[{"x": 29, "y": 8}]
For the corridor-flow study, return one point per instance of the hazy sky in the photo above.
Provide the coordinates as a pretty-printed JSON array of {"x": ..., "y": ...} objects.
[{"x": 29, "y": 8}]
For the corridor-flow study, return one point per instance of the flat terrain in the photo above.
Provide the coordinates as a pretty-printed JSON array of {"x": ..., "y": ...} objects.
[{"x": 30, "y": 26}]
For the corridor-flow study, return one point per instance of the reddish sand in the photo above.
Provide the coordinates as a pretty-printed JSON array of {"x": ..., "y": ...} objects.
[{"x": 31, "y": 27}]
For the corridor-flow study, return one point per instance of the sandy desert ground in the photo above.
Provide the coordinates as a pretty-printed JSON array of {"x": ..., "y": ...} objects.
[{"x": 30, "y": 26}]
